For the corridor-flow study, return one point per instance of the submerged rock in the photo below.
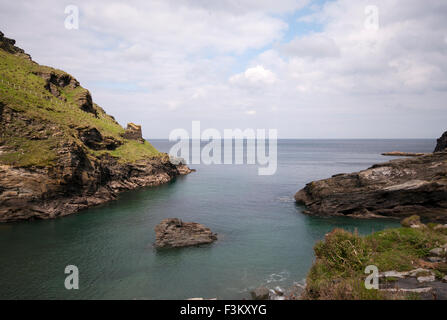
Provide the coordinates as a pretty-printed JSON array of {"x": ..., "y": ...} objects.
[{"x": 174, "y": 233}]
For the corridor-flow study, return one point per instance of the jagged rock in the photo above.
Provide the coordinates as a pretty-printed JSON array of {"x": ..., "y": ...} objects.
[
  {"x": 9, "y": 46},
  {"x": 393, "y": 274},
  {"x": 412, "y": 290},
  {"x": 398, "y": 188},
  {"x": 93, "y": 139},
  {"x": 174, "y": 233},
  {"x": 61, "y": 80},
  {"x": 435, "y": 259},
  {"x": 424, "y": 279},
  {"x": 133, "y": 132},
  {"x": 261, "y": 293},
  {"x": 85, "y": 103},
  {"x": 441, "y": 143},
  {"x": 177, "y": 160},
  {"x": 437, "y": 251}
]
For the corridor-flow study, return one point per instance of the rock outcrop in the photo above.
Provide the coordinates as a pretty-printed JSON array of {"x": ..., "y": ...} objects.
[
  {"x": 441, "y": 143},
  {"x": 174, "y": 233},
  {"x": 398, "y": 188},
  {"x": 8, "y": 45},
  {"x": 261, "y": 293},
  {"x": 133, "y": 132},
  {"x": 403, "y": 154},
  {"x": 76, "y": 183}
]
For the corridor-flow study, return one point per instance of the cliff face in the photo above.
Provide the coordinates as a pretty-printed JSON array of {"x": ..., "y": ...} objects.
[
  {"x": 397, "y": 188},
  {"x": 59, "y": 151},
  {"x": 442, "y": 143}
]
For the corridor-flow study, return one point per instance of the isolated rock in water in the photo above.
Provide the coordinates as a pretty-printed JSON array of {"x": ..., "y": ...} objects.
[
  {"x": 398, "y": 188},
  {"x": 174, "y": 233},
  {"x": 403, "y": 154},
  {"x": 442, "y": 143},
  {"x": 261, "y": 293}
]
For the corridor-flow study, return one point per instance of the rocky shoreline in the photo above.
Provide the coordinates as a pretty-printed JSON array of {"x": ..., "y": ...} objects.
[
  {"x": 395, "y": 189},
  {"x": 46, "y": 193}
]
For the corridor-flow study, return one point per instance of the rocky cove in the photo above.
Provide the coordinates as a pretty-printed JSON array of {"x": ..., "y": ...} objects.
[{"x": 61, "y": 153}]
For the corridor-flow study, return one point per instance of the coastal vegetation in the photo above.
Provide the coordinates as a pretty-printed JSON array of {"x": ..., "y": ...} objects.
[{"x": 342, "y": 257}]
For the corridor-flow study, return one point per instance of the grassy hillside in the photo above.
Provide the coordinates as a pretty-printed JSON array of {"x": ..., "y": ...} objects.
[{"x": 51, "y": 118}]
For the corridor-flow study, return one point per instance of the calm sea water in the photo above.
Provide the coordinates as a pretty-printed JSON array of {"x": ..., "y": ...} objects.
[{"x": 264, "y": 239}]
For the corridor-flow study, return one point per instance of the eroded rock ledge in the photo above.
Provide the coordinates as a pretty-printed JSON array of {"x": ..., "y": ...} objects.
[
  {"x": 397, "y": 188},
  {"x": 77, "y": 183},
  {"x": 174, "y": 233}
]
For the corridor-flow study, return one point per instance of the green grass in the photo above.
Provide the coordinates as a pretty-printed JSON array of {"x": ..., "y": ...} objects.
[
  {"x": 30, "y": 153},
  {"x": 33, "y": 101},
  {"x": 338, "y": 272},
  {"x": 133, "y": 151}
]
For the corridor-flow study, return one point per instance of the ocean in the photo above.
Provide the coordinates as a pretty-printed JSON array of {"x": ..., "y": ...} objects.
[{"x": 264, "y": 239}]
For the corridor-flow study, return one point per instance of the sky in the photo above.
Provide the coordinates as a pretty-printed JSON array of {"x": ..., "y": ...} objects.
[{"x": 310, "y": 69}]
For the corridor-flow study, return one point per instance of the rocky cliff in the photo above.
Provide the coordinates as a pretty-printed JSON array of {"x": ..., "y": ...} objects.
[
  {"x": 442, "y": 143},
  {"x": 397, "y": 188},
  {"x": 59, "y": 151}
]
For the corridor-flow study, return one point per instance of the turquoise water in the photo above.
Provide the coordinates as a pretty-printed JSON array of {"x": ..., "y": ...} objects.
[{"x": 264, "y": 239}]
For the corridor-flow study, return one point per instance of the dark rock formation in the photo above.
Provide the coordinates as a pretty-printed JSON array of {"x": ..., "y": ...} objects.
[
  {"x": 85, "y": 102},
  {"x": 442, "y": 143},
  {"x": 93, "y": 139},
  {"x": 9, "y": 46},
  {"x": 133, "y": 132},
  {"x": 398, "y": 188},
  {"x": 75, "y": 183},
  {"x": 261, "y": 293},
  {"x": 56, "y": 81},
  {"x": 174, "y": 233},
  {"x": 403, "y": 154}
]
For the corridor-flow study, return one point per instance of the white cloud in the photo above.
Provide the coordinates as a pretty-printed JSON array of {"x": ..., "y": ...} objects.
[
  {"x": 314, "y": 46},
  {"x": 254, "y": 76}
]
